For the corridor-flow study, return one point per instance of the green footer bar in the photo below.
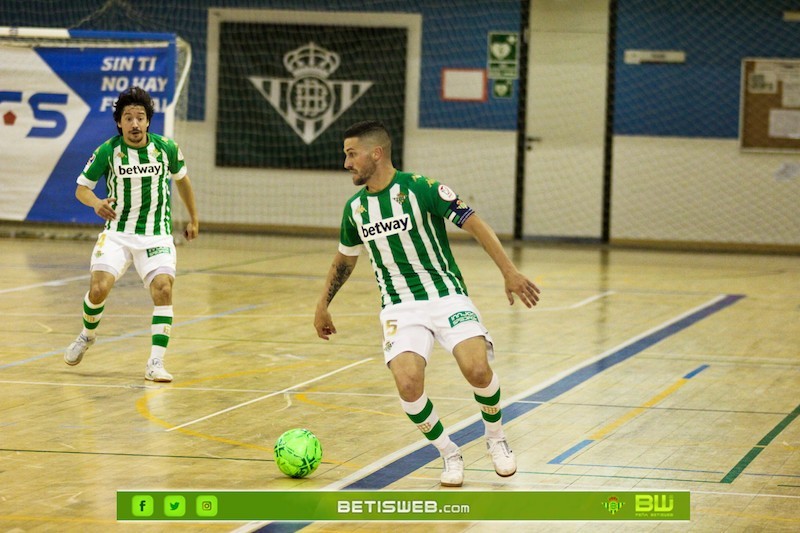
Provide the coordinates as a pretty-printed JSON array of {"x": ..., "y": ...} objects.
[{"x": 417, "y": 506}]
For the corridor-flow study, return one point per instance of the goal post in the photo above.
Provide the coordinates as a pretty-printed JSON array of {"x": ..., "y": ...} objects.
[{"x": 56, "y": 104}]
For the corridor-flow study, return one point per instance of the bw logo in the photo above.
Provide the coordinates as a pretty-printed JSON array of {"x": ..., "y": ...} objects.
[{"x": 309, "y": 102}]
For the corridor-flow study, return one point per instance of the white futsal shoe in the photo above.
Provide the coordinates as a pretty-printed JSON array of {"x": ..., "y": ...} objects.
[
  {"x": 453, "y": 473},
  {"x": 156, "y": 372},
  {"x": 74, "y": 352},
  {"x": 505, "y": 464}
]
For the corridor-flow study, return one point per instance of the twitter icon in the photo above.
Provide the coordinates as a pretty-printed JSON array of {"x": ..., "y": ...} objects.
[{"x": 174, "y": 505}]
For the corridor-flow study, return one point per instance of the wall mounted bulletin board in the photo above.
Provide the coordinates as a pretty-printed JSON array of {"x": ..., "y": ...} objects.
[{"x": 770, "y": 105}]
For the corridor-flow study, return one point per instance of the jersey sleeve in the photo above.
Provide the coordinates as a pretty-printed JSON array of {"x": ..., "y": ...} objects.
[
  {"x": 349, "y": 239},
  {"x": 96, "y": 167},
  {"x": 446, "y": 203},
  {"x": 177, "y": 165}
]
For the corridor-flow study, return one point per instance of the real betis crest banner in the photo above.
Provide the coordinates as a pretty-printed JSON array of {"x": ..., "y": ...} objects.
[{"x": 286, "y": 92}]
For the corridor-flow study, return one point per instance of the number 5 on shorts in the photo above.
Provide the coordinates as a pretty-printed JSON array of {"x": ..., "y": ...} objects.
[{"x": 390, "y": 328}]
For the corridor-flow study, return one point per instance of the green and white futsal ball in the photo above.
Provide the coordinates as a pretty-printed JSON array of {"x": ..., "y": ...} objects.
[{"x": 298, "y": 452}]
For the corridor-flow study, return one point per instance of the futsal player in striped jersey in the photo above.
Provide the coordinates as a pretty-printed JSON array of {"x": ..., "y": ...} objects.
[
  {"x": 138, "y": 167},
  {"x": 399, "y": 217}
]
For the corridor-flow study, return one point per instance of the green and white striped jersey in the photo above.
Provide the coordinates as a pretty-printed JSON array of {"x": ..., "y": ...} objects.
[
  {"x": 139, "y": 178},
  {"x": 403, "y": 229}
]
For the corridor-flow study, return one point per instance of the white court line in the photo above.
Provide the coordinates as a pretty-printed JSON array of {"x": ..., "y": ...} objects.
[
  {"x": 131, "y": 334},
  {"x": 207, "y": 389},
  {"x": 287, "y": 389},
  {"x": 384, "y": 461},
  {"x": 81, "y": 385},
  {"x": 57, "y": 283},
  {"x": 52, "y": 283},
  {"x": 583, "y": 302},
  {"x": 388, "y": 459}
]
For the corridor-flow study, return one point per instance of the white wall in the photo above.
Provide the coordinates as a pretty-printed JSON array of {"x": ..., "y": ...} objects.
[
  {"x": 664, "y": 189},
  {"x": 703, "y": 190}
]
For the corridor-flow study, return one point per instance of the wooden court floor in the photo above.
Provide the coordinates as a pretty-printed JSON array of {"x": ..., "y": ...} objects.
[{"x": 639, "y": 370}]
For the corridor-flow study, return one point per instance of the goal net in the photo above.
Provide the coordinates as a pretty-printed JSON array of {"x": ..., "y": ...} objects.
[
  {"x": 272, "y": 90},
  {"x": 282, "y": 86},
  {"x": 56, "y": 103},
  {"x": 640, "y": 114}
]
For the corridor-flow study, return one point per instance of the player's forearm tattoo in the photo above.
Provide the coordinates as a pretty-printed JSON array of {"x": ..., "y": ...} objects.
[{"x": 340, "y": 275}]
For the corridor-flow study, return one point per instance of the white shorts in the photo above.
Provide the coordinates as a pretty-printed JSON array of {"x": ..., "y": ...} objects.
[
  {"x": 413, "y": 326},
  {"x": 151, "y": 255}
]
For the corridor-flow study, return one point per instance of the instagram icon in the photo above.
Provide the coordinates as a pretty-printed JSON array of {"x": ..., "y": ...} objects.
[{"x": 207, "y": 505}]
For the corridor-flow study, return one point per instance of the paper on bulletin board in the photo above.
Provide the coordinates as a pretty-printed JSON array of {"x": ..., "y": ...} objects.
[
  {"x": 763, "y": 82},
  {"x": 784, "y": 124},
  {"x": 791, "y": 94}
]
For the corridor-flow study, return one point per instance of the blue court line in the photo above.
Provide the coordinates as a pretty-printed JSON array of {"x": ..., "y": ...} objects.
[
  {"x": 583, "y": 444},
  {"x": 417, "y": 459},
  {"x": 102, "y": 340},
  {"x": 694, "y": 372},
  {"x": 572, "y": 451}
]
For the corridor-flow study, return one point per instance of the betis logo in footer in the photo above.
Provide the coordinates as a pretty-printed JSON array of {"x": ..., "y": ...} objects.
[
  {"x": 309, "y": 102},
  {"x": 613, "y": 505}
]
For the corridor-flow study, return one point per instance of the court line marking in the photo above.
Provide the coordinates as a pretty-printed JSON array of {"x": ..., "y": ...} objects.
[
  {"x": 734, "y": 473},
  {"x": 270, "y": 395},
  {"x": 576, "y": 305},
  {"x": 630, "y": 415},
  {"x": 105, "y": 340},
  {"x": 417, "y": 476},
  {"x": 157, "y": 387},
  {"x": 403, "y": 462},
  {"x": 51, "y": 283},
  {"x": 585, "y": 301},
  {"x": 471, "y": 428},
  {"x": 758, "y": 448}
]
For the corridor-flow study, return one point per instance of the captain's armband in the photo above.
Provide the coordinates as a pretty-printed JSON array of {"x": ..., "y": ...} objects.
[{"x": 458, "y": 212}]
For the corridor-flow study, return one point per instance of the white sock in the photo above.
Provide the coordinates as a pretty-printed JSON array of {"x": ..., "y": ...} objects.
[
  {"x": 422, "y": 413},
  {"x": 488, "y": 399},
  {"x": 160, "y": 329}
]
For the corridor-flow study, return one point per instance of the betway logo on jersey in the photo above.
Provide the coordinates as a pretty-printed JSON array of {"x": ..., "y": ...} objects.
[
  {"x": 386, "y": 227},
  {"x": 139, "y": 171}
]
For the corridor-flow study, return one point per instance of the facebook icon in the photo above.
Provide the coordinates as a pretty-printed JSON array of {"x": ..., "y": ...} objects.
[{"x": 142, "y": 505}]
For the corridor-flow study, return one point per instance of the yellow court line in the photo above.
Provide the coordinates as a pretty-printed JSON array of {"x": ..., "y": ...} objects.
[
  {"x": 303, "y": 397},
  {"x": 143, "y": 407},
  {"x": 270, "y": 395},
  {"x": 639, "y": 410}
]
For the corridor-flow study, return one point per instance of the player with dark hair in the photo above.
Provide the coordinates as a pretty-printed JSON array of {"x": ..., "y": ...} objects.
[
  {"x": 138, "y": 167},
  {"x": 134, "y": 96},
  {"x": 399, "y": 218}
]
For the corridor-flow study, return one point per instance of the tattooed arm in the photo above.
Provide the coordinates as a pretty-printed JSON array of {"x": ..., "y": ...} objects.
[{"x": 341, "y": 269}]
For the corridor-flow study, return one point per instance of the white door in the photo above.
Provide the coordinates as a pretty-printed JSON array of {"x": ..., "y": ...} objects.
[{"x": 566, "y": 117}]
